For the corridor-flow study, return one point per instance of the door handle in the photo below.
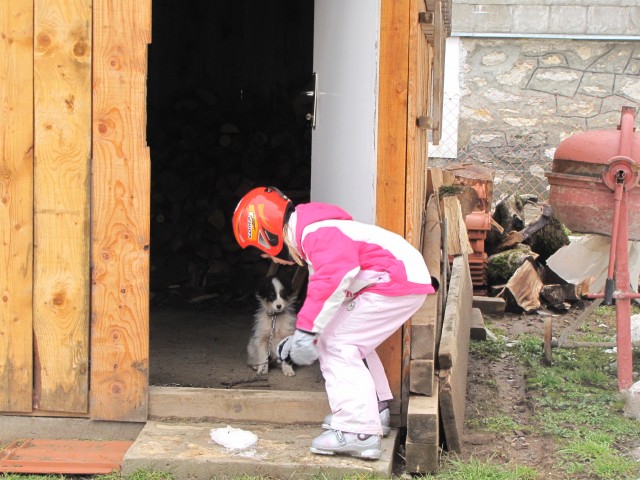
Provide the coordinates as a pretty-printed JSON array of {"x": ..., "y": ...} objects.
[{"x": 311, "y": 117}]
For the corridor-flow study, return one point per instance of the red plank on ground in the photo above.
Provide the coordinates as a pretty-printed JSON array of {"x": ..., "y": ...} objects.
[{"x": 63, "y": 456}]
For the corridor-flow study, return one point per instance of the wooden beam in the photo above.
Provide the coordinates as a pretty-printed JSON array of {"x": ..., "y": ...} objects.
[
  {"x": 453, "y": 353},
  {"x": 120, "y": 212},
  {"x": 16, "y": 205},
  {"x": 62, "y": 92},
  {"x": 392, "y": 151}
]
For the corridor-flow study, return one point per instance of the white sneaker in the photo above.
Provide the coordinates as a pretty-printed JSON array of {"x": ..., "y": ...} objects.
[
  {"x": 355, "y": 444},
  {"x": 385, "y": 420}
]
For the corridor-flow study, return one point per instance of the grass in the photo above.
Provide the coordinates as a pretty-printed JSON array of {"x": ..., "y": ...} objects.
[
  {"x": 576, "y": 402},
  {"x": 478, "y": 470}
]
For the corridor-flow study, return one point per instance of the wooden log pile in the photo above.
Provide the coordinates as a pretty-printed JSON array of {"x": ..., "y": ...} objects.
[
  {"x": 507, "y": 245},
  {"x": 206, "y": 153}
]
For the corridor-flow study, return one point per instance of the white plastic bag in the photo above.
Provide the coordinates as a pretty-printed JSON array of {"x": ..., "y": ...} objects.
[{"x": 234, "y": 438}]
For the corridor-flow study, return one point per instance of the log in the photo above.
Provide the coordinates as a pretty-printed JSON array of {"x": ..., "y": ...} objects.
[
  {"x": 478, "y": 177},
  {"x": 554, "y": 294},
  {"x": 549, "y": 239},
  {"x": 501, "y": 266},
  {"x": 509, "y": 213},
  {"x": 525, "y": 286},
  {"x": 457, "y": 238},
  {"x": 513, "y": 237}
]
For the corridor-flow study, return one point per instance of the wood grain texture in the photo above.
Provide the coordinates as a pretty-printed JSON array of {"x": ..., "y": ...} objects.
[
  {"x": 62, "y": 120},
  {"x": 120, "y": 212},
  {"x": 16, "y": 204},
  {"x": 392, "y": 151},
  {"x": 419, "y": 88},
  {"x": 453, "y": 354}
]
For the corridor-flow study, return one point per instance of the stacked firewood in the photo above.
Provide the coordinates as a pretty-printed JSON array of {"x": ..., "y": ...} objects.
[
  {"x": 206, "y": 153},
  {"x": 515, "y": 247}
]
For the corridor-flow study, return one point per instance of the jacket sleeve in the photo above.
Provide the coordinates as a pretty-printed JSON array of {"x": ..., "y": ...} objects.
[{"x": 335, "y": 262}]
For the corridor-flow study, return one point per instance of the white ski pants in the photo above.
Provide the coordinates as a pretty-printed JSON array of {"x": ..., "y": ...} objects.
[{"x": 353, "y": 388}]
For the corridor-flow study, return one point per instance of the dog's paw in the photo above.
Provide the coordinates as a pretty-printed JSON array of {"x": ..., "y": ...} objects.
[
  {"x": 288, "y": 370},
  {"x": 262, "y": 369}
]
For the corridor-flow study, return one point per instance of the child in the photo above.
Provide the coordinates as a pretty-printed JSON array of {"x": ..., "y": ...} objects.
[{"x": 364, "y": 283}]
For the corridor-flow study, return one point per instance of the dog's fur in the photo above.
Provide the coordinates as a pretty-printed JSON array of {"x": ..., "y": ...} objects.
[{"x": 275, "y": 297}]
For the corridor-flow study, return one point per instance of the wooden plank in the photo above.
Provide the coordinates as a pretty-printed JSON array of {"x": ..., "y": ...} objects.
[
  {"x": 457, "y": 237},
  {"x": 423, "y": 424},
  {"x": 432, "y": 238},
  {"x": 439, "y": 45},
  {"x": 16, "y": 205},
  {"x": 72, "y": 457},
  {"x": 238, "y": 405},
  {"x": 392, "y": 152},
  {"x": 435, "y": 180},
  {"x": 422, "y": 458},
  {"x": 120, "y": 212},
  {"x": 453, "y": 354},
  {"x": 423, "y": 330},
  {"x": 422, "y": 445},
  {"x": 62, "y": 92},
  {"x": 422, "y": 377},
  {"x": 419, "y": 85}
]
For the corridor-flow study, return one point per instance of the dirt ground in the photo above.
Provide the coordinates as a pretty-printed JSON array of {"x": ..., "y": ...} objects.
[
  {"x": 498, "y": 387},
  {"x": 205, "y": 345}
]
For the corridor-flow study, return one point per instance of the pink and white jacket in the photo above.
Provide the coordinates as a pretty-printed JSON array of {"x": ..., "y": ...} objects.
[{"x": 346, "y": 257}]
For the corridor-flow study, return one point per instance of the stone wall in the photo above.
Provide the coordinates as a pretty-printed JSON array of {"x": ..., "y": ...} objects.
[
  {"x": 533, "y": 72},
  {"x": 559, "y": 17},
  {"x": 520, "y": 98}
]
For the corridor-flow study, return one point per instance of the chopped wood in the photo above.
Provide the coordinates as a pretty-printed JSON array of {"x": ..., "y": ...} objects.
[
  {"x": 457, "y": 238},
  {"x": 525, "y": 286},
  {"x": 501, "y": 266},
  {"x": 514, "y": 237},
  {"x": 509, "y": 213},
  {"x": 432, "y": 240},
  {"x": 478, "y": 177},
  {"x": 554, "y": 294}
]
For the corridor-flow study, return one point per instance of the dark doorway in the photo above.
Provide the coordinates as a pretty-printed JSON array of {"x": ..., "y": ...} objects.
[{"x": 225, "y": 114}]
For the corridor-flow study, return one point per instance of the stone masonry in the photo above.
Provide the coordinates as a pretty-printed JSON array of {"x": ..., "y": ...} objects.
[{"x": 523, "y": 89}]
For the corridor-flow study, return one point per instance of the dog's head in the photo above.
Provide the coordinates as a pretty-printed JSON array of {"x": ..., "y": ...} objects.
[{"x": 275, "y": 294}]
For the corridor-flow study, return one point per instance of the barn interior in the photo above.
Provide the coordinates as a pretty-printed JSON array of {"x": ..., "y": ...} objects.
[{"x": 226, "y": 113}]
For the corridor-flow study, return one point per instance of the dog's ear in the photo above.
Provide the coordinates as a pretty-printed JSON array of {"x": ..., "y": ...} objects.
[
  {"x": 286, "y": 285},
  {"x": 263, "y": 287}
]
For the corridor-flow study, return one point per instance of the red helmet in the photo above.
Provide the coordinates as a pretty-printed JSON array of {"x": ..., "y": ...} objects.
[{"x": 259, "y": 219}]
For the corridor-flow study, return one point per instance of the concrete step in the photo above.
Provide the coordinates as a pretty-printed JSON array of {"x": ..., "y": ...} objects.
[{"x": 186, "y": 450}]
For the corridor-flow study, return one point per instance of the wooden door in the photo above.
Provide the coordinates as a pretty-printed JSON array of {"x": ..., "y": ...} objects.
[
  {"x": 46, "y": 97},
  {"x": 61, "y": 103},
  {"x": 343, "y": 147}
]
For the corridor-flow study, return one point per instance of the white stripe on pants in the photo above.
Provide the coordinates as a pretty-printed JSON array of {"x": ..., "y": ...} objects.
[{"x": 352, "y": 336}]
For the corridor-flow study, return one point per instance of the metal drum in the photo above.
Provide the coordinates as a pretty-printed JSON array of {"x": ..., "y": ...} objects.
[{"x": 584, "y": 166}]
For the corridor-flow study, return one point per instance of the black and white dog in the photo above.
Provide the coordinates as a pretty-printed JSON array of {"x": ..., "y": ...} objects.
[{"x": 274, "y": 320}]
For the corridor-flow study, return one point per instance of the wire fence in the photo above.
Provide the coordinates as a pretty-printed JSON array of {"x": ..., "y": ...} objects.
[{"x": 519, "y": 159}]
